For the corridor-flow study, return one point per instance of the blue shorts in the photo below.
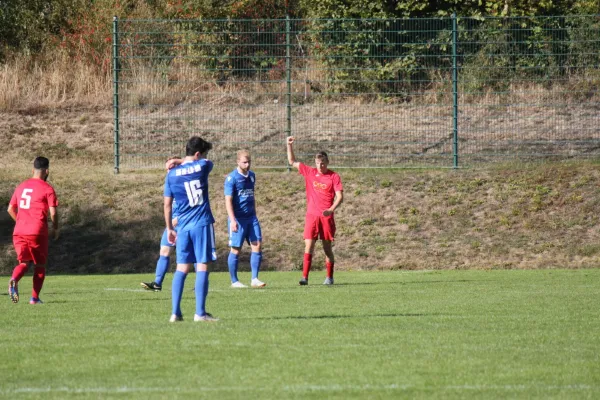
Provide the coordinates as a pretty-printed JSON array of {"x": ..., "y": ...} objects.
[
  {"x": 196, "y": 245},
  {"x": 248, "y": 231},
  {"x": 164, "y": 240}
]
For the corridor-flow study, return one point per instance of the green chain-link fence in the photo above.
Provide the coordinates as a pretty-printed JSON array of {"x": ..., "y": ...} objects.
[{"x": 373, "y": 93}]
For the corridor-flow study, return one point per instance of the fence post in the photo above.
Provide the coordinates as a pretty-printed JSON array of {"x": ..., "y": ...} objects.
[
  {"x": 115, "y": 56},
  {"x": 288, "y": 77},
  {"x": 454, "y": 92}
]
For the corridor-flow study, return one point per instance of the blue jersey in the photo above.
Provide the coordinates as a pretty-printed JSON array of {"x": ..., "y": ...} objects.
[
  {"x": 187, "y": 184},
  {"x": 241, "y": 190}
]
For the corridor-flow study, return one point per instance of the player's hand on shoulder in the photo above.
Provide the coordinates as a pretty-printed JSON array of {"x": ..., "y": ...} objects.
[{"x": 172, "y": 163}]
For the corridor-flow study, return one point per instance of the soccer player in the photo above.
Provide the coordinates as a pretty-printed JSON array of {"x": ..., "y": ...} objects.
[
  {"x": 242, "y": 222},
  {"x": 29, "y": 207},
  {"x": 164, "y": 257},
  {"x": 324, "y": 194},
  {"x": 187, "y": 184}
]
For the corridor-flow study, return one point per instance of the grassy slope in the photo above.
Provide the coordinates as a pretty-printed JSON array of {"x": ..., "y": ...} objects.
[
  {"x": 508, "y": 216},
  {"x": 440, "y": 334}
]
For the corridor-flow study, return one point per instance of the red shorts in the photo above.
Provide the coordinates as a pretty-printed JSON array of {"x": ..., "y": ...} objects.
[
  {"x": 31, "y": 248},
  {"x": 319, "y": 227}
]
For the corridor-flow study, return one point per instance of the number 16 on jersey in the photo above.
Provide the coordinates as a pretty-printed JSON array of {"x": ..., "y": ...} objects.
[{"x": 194, "y": 192}]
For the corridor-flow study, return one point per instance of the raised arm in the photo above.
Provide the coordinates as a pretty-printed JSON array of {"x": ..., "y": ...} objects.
[
  {"x": 54, "y": 218},
  {"x": 290, "y": 153}
]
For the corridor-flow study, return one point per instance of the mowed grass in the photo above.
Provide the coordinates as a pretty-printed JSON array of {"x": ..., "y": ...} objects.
[{"x": 428, "y": 334}]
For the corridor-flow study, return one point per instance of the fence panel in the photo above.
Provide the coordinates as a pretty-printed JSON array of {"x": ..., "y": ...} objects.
[{"x": 372, "y": 93}]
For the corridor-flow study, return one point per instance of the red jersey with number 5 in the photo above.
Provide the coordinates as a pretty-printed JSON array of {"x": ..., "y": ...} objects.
[
  {"x": 33, "y": 198},
  {"x": 320, "y": 188}
]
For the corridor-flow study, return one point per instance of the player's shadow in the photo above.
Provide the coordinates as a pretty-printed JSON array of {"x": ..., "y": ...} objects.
[{"x": 333, "y": 316}]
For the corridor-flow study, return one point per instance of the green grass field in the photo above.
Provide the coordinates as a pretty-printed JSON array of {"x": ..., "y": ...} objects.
[{"x": 423, "y": 334}]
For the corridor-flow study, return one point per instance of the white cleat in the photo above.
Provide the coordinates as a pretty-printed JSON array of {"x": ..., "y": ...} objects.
[
  {"x": 205, "y": 318},
  {"x": 238, "y": 284},
  {"x": 256, "y": 283},
  {"x": 175, "y": 318}
]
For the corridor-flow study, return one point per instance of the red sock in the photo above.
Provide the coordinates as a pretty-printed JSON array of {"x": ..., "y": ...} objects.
[
  {"x": 19, "y": 271},
  {"x": 329, "y": 266},
  {"x": 39, "y": 274},
  {"x": 306, "y": 265}
]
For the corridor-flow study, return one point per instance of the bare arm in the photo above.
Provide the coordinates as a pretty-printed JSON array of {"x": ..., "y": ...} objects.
[
  {"x": 12, "y": 212},
  {"x": 339, "y": 197},
  {"x": 54, "y": 218},
  {"x": 230, "y": 214},
  {"x": 290, "y": 153},
  {"x": 168, "y": 211}
]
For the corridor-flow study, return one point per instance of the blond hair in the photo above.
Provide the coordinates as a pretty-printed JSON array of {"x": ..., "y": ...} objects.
[{"x": 242, "y": 153}]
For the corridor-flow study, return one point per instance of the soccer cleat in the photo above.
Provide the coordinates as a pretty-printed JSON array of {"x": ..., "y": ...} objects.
[
  {"x": 176, "y": 318},
  {"x": 256, "y": 283},
  {"x": 328, "y": 281},
  {"x": 205, "y": 318},
  {"x": 303, "y": 282},
  {"x": 238, "y": 284},
  {"x": 151, "y": 286},
  {"x": 34, "y": 300},
  {"x": 13, "y": 291}
]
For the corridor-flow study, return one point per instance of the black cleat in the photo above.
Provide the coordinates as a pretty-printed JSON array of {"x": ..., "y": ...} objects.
[
  {"x": 303, "y": 282},
  {"x": 151, "y": 286}
]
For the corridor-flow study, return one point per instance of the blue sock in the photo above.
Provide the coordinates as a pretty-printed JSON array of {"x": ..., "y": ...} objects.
[
  {"x": 201, "y": 292},
  {"x": 161, "y": 269},
  {"x": 232, "y": 263},
  {"x": 206, "y": 288},
  {"x": 255, "y": 260},
  {"x": 177, "y": 291}
]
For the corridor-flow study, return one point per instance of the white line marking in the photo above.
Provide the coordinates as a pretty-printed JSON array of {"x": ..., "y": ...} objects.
[{"x": 294, "y": 388}]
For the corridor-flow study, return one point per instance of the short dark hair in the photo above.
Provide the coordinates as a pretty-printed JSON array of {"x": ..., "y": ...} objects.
[
  {"x": 41, "y": 163},
  {"x": 197, "y": 145},
  {"x": 322, "y": 156}
]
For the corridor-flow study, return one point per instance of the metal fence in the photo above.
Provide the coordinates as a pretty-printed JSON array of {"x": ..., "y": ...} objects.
[{"x": 443, "y": 92}]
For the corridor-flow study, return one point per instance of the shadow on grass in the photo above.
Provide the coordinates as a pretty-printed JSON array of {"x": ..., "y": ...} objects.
[{"x": 388, "y": 315}]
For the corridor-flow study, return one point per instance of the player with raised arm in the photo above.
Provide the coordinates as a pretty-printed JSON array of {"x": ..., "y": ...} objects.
[
  {"x": 164, "y": 257},
  {"x": 29, "y": 206},
  {"x": 242, "y": 222},
  {"x": 324, "y": 194},
  {"x": 187, "y": 184}
]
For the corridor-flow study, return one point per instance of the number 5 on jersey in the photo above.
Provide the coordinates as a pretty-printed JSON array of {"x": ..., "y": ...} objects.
[
  {"x": 194, "y": 192},
  {"x": 26, "y": 199}
]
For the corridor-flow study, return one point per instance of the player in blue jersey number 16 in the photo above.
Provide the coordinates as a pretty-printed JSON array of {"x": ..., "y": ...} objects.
[{"x": 187, "y": 184}]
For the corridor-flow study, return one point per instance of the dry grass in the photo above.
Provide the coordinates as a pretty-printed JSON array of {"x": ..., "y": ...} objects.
[
  {"x": 538, "y": 216},
  {"x": 51, "y": 83}
]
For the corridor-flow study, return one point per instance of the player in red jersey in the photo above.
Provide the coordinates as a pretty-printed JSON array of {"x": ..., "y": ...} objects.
[
  {"x": 324, "y": 194},
  {"x": 29, "y": 207}
]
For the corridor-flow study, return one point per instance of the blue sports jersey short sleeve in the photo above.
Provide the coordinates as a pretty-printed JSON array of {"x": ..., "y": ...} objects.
[
  {"x": 187, "y": 184},
  {"x": 241, "y": 190}
]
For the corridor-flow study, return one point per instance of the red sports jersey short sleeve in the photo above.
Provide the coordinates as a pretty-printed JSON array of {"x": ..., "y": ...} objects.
[
  {"x": 320, "y": 188},
  {"x": 32, "y": 199}
]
